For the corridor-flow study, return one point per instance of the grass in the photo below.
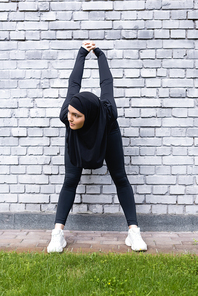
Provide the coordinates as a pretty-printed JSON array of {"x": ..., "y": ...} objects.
[{"x": 97, "y": 274}]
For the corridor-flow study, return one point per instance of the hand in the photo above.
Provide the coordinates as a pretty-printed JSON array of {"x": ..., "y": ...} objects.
[{"x": 89, "y": 45}]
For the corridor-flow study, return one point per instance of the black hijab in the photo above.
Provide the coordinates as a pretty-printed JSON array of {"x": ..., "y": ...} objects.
[{"x": 87, "y": 145}]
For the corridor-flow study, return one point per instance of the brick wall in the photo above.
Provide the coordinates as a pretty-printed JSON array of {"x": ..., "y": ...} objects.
[{"x": 152, "y": 51}]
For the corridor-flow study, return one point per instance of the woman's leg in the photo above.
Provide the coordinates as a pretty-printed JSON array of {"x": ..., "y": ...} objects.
[
  {"x": 115, "y": 163},
  {"x": 68, "y": 191},
  {"x": 66, "y": 200}
]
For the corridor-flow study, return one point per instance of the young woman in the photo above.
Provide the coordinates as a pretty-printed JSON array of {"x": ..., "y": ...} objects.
[{"x": 92, "y": 136}]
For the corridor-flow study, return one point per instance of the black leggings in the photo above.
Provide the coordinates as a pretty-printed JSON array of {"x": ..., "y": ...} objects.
[{"x": 115, "y": 163}]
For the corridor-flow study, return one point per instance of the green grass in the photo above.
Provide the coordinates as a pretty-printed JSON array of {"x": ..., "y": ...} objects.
[{"x": 97, "y": 274}]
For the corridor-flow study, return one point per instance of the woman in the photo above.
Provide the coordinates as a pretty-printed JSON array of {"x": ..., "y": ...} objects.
[{"x": 92, "y": 135}]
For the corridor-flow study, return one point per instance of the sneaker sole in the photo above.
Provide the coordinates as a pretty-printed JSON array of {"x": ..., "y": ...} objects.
[
  {"x": 129, "y": 244},
  {"x": 60, "y": 250}
]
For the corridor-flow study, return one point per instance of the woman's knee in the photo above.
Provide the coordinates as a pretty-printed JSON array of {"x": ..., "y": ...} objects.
[
  {"x": 71, "y": 181},
  {"x": 120, "y": 178}
]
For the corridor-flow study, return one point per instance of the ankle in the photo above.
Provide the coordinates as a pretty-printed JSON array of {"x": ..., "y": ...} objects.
[
  {"x": 59, "y": 226},
  {"x": 133, "y": 226}
]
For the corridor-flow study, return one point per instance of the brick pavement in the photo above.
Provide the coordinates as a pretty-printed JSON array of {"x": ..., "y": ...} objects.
[{"x": 98, "y": 241}]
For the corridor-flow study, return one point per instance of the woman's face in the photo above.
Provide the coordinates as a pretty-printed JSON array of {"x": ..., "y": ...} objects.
[{"x": 76, "y": 119}]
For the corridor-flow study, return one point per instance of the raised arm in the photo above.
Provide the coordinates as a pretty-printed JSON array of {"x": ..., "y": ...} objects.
[
  {"x": 74, "y": 81},
  {"x": 106, "y": 80}
]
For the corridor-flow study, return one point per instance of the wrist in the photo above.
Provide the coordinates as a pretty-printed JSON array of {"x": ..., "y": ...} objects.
[
  {"x": 97, "y": 51},
  {"x": 83, "y": 50}
]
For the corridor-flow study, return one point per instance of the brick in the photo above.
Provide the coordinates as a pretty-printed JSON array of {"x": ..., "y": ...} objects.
[
  {"x": 193, "y": 14},
  {"x": 80, "y": 34},
  {"x": 161, "y": 15},
  {"x": 115, "y": 15},
  {"x": 33, "y": 35},
  {"x": 185, "y": 199},
  {"x": 39, "y": 198},
  {"x": 178, "y": 170},
  {"x": 8, "y": 160},
  {"x": 192, "y": 190},
  {"x": 180, "y": 122},
  {"x": 179, "y": 151},
  {"x": 43, "y": 6},
  {"x": 178, "y": 34},
  {"x": 187, "y": 4},
  {"x": 179, "y": 189},
  {"x": 154, "y": 44},
  {"x": 129, "y": 5},
  {"x": 65, "y": 6},
  {"x": 92, "y": 189},
  {"x": 161, "y": 200},
  {"x": 91, "y": 25},
  {"x": 170, "y": 63},
  {"x": 161, "y": 180},
  {"x": 145, "y": 34},
  {"x": 99, "y": 5},
  {"x": 159, "y": 209},
  {"x": 79, "y": 208},
  {"x": 96, "y": 209},
  {"x": 143, "y": 189},
  {"x": 147, "y": 151},
  {"x": 175, "y": 209},
  {"x": 177, "y": 102},
  {"x": 148, "y": 73},
  {"x": 128, "y": 25},
  {"x": 30, "y": 6},
  {"x": 193, "y": 209},
  {"x": 111, "y": 209},
  {"x": 177, "y": 44},
  {"x": 192, "y": 151},
  {"x": 142, "y": 122},
  {"x": 61, "y": 25},
  {"x": 96, "y": 179},
  {"x": 191, "y": 34},
  {"x": 147, "y": 132},
  {"x": 97, "y": 199},
  {"x": 147, "y": 170},
  {"x": 145, "y": 15},
  {"x": 177, "y": 141},
  {"x": 160, "y": 189},
  {"x": 8, "y": 198},
  {"x": 145, "y": 160},
  {"x": 193, "y": 132},
  {"x": 34, "y": 159},
  {"x": 110, "y": 189},
  {"x": 178, "y": 14},
  {"x": 143, "y": 209},
  {"x": 4, "y": 207},
  {"x": 8, "y": 6},
  {"x": 109, "y": 34},
  {"x": 32, "y": 208},
  {"x": 19, "y": 132},
  {"x": 80, "y": 15},
  {"x": 177, "y": 160}
]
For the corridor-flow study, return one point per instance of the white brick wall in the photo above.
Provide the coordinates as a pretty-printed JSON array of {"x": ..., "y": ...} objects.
[{"x": 152, "y": 50}]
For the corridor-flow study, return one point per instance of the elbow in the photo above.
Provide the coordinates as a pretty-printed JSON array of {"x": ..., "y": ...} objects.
[{"x": 63, "y": 116}]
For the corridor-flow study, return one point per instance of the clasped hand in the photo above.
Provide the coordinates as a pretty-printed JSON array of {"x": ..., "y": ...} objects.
[{"x": 89, "y": 45}]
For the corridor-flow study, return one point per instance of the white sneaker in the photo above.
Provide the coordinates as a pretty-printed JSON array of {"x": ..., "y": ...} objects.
[
  {"x": 58, "y": 242},
  {"x": 135, "y": 241}
]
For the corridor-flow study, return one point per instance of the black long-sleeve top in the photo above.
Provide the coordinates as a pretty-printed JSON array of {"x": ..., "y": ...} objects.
[{"x": 106, "y": 84}]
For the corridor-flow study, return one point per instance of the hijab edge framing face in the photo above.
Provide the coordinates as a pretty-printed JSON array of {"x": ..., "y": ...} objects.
[{"x": 76, "y": 118}]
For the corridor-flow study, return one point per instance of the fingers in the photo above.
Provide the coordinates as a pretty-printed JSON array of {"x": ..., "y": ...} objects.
[{"x": 89, "y": 45}]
